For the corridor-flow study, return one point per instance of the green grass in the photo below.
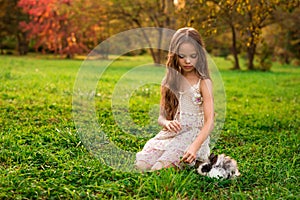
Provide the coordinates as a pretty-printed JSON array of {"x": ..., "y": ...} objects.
[{"x": 42, "y": 156}]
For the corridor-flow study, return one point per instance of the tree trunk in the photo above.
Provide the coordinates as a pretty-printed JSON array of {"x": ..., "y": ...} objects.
[
  {"x": 1, "y": 49},
  {"x": 251, "y": 53},
  {"x": 234, "y": 49},
  {"x": 157, "y": 54},
  {"x": 287, "y": 47},
  {"x": 154, "y": 57},
  {"x": 161, "y": 53},
  {"x": 22, "y": 44}
]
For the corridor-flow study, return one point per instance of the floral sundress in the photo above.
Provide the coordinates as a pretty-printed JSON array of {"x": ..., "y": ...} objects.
[{"x": 169, "y": 146}]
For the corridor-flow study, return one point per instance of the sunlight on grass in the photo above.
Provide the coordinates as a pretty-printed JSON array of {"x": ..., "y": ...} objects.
[{"x": 42, "y": 156}]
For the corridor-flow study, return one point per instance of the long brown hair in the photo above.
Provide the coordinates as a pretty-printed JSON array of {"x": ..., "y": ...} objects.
[{"x": 170, "y": 84}]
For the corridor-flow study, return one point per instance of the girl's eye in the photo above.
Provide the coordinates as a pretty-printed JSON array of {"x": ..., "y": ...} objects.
[
  {"x": 194, "y": 56},
  {"x": 191, "y": 56},
  {"x": 181, "y": 56}
]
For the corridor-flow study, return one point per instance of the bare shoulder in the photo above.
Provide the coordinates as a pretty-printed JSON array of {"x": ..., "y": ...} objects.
[{"x": 205, "y": 85}]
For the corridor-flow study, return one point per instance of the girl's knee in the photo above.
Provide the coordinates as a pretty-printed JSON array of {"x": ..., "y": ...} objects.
[
  {"x": 160, "y": 165},
  {"x": 157, "y": 166},
  {"x": 142, "y": 165}
]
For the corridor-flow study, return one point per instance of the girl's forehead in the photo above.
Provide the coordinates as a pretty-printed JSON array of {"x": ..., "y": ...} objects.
[{"x": 186, "y": 47}]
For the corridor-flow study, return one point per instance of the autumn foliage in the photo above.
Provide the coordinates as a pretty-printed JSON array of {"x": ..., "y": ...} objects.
[
  {"x": 54, "y": 26},
  {"x": 258, "y": 30}
]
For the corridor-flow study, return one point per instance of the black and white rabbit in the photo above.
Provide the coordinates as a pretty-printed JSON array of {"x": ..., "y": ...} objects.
[{"x": 218, "y": 166}]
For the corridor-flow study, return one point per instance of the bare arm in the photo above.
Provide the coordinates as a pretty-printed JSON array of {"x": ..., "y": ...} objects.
[{"x": 208, "y": 106}]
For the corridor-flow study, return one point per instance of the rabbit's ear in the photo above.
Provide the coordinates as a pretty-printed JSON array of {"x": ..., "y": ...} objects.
[
  {"x": 198, "y": 163},
  {"x": 213, "y": 158}
]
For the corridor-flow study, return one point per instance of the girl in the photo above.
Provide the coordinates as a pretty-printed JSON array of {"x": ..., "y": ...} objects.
[{"x": 186, "y": 107}]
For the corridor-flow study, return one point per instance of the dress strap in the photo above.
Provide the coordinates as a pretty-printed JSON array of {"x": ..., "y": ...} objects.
[
  {"x": 179, "y": 106},
  {"x": 198, "y": 84}
]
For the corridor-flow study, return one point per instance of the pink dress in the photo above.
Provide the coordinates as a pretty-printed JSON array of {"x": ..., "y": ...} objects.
[{"x": 169, "y": 146}]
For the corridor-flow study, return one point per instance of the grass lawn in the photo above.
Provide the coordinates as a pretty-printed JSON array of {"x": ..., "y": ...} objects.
[{"x": 42, "y": 156}]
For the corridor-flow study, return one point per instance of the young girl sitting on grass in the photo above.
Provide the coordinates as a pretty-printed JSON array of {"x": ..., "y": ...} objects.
[{"x": 186, "y": 107}]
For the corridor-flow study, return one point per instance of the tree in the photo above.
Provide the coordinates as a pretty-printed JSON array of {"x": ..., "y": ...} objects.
[
  {"x": 47, "y": 26},
  {"x": 66, "y": 27},
  {"x": 287, "y": 35},
  {"x": 10, "y": 17},
  {"x": 149, "y": 13},
  {"x": 88, "y": 19},
  {"x": 214, "y": 17},
  {"x": 258, "y": 14},
  {"x": 224, "y": 12},
  {"x": 244, "y": 17}
]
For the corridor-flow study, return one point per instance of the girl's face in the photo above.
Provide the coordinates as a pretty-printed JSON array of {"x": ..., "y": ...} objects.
[{"x": 187, "y": 56}]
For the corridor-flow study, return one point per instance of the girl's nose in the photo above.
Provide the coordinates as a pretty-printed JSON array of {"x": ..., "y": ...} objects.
[{"x": 187, "y": 60}]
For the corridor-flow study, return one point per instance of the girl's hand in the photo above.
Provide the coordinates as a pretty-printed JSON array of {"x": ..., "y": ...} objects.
[
  {"x": 190, "y": 155},
  {"x": 173, "y": 126}
]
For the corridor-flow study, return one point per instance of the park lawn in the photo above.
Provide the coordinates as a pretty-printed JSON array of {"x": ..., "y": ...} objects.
[{"x": 42, "y": 156}]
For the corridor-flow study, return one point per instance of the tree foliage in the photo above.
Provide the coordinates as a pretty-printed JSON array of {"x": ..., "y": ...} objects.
[
  {"x": 149, "y": 13},
  {"x": 286, "y": 34},
  {"x": 245, "y": 19},
  {"x": 62, "y": 26},
  {"x": 10, "y": 16},
  {"x": 225, "y": 12},
  {"x": 70, "y": 27},
  {"x": 256, "y": 14}
]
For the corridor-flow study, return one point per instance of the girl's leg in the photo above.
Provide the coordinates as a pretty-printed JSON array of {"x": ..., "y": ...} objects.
[
  {"x": 169, "y": 158},
  {"x": 147, "y": 158},
  {"x": 142, "y": 165},
  {"x": 160, "y": 165}
]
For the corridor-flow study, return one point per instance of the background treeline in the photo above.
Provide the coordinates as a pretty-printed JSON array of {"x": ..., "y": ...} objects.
[{"x": 258, "y": 30}]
